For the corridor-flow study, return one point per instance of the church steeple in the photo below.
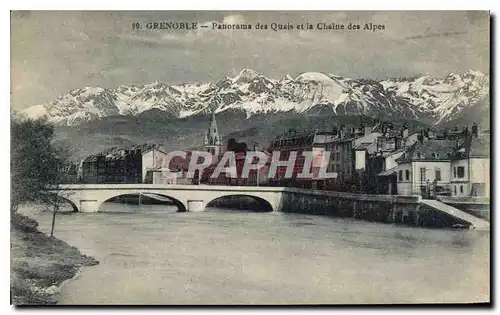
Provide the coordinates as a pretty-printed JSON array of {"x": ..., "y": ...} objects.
[{"x": 212, "y": 139}]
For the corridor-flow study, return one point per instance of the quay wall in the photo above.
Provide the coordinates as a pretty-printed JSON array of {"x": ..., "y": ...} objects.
[
  {"x": 477, "y": 206},
  {"x": 376, "y": 208}
]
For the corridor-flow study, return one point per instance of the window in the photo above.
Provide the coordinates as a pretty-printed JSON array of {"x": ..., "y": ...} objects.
[
  {"x": 407, "y": 173},
  {"x": 454, "y": 171},
  {"x": 461, "y": 189},
  {"x": 338, "y": 156},
  {"x": 436, "y": 155},
  {"x": 455, "y": 189},
  {"x": 422, "y": 155},
  {"x": 422, "y": 174},
  {"x": 438, "y": 174},
  {"x": 460, "y": 172},
  {"x": 418, "y": 155},
  {"x": 400, "y": 176}
]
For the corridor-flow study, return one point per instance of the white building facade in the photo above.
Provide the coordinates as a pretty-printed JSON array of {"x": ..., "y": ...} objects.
[
  {"x": 456, "y": 168},
  {"x": 470, "y": 169},
  {"x": 152, "y": 160}
]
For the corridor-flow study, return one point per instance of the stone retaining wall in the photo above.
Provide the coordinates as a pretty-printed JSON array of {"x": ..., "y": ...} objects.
[{"x": 377, "y": 208}]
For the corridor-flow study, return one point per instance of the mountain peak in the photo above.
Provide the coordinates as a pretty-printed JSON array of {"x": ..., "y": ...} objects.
[
  {"x": 476, "y": 73},
  {"x": 313, "y": 76},
  {"x": 246, "y": 75},
  {"x": 252, "y": 93}
]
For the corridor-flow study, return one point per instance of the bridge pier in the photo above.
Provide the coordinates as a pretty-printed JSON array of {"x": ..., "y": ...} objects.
[
  {"x": 89, "y": 206},
  {"x": 195, "y": 206},
  {"x": 355, "y": 209}
]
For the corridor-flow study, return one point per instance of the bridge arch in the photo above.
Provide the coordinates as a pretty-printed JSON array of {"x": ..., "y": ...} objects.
[
  {"x": 235, "y": 200},
  {"x": 69, "y": 201},
  {"x": 181, "y": 207}
]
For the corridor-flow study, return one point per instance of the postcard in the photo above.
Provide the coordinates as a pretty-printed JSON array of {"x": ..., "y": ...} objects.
[{"x": 250, "y": 157}]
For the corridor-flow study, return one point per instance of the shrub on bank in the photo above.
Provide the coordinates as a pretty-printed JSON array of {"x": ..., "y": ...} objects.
[{"x": 23, "y": 223}]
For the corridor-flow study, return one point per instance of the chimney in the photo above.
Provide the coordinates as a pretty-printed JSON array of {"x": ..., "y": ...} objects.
[
  {"x": 368, "y": 130},
  {"x": 421, "y": 136},
  {"x": 335, "y": 131},
  {"x": 341, "y": 131},
  {"x": 475, "y": 130},
  {"x": 426, "y": 133},
  {"x": 404, "y": 131},
  {"x": 465, "y": 131}
]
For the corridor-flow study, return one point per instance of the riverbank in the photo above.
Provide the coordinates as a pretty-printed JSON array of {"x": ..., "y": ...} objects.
[{"x": 39, "y": 263}]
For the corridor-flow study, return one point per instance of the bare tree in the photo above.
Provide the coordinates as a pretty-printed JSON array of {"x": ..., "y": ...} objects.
[{"x": 54, "y": 199}]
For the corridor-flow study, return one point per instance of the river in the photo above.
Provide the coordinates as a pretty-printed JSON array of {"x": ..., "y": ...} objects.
[{"x": 153, "y": 255}]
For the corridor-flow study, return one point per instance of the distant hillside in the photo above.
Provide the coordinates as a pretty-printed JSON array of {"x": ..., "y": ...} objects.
[{"x": 175, "y": 134}]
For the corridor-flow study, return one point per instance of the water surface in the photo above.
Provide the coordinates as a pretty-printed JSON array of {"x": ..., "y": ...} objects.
[{"x": 153, "y": 255}]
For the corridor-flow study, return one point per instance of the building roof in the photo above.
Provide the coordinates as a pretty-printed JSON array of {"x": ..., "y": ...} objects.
[
  {"x": 293, "y": 134},
  {"x": 388, "y": 172},
  {"x": 412, "y": 133},
  {"x": 390, "y": 129},
  {"x": 389, "y": 153},
  {"x": 429, "y": 150},
  {"x": 327, "y": 133},
  {"x": 363, "y": 146},
  {"x": 153, "y": 148},
  {"x": 391, "y": 133},
  {"x": 93, "y": 158},
  {"x": 473, "y": 148},
  {"x": 381, "y": 125},
  {"x": 346, "y": 139},
  {"x": 293, "y": 138},
  {"x": 480, "y": 147}
]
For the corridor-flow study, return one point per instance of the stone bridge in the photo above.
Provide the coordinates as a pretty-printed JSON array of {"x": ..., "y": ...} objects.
[{"x": 194, "y": 198}]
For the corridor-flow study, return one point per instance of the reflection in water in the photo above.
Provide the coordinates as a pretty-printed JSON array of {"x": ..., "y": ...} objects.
[{"x": 153, "y": 254}]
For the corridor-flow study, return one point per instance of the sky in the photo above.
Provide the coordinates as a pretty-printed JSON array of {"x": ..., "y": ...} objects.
[{"x": 53, "y": 52}]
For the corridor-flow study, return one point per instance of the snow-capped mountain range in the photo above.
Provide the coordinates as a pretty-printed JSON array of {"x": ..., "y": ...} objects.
[{"x": 309, "y": 93}]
